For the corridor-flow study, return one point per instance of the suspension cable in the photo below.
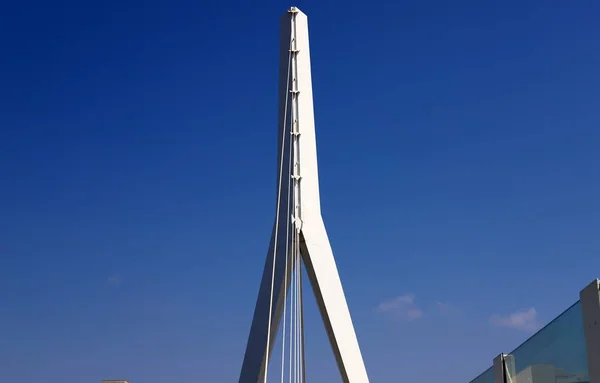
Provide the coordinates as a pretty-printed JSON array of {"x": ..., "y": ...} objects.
[
  {"x": 300, "y": 329},
  {"x": 275, "y": 242},
  {"x": 293, "y": 261},
  {"x": 295, "y": 176},
  {"x": 296, "y": 203},
  {"x": 287, "y": 234}
]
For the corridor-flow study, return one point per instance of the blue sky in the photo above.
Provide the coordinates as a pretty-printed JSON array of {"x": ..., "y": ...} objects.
[{"x": 458, "y": 148}]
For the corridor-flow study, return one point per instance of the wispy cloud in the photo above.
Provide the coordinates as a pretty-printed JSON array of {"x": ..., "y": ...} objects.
[
  {"x": 525, "y": 320},
  {"x": 114, "y": 280},
  {"x": 401, "y": 307},
  {"x": 445, "y": 309}
]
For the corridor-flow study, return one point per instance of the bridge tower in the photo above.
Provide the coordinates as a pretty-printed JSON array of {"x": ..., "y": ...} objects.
[{"x": 299, "y": 240}]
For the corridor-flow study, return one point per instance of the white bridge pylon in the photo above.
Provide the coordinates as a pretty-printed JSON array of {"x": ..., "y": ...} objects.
[{"x": 299, "y": 236}]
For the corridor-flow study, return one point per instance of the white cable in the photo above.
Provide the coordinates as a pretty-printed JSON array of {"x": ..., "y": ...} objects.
[
  {"x": 292, "y": 329},
  {"x": 296, "y": 316},
  {"x": 296, "y": 221},
  {"x": 299, "y": 302},
  {"x": 287, "y": 235},
  {"x": 296, "y": 357},
  {"x": 292, "y": 302},
  {"x": 300, "y": 315},
  {"x": 276, "y": 232}
]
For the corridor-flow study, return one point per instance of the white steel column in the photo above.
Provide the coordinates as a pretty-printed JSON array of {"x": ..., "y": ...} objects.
[
  {"x": 590, "y": 307},
  {"x": 297, "y": 147}
]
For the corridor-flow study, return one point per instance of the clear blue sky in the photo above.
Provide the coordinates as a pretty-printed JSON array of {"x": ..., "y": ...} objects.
[{"x": 458, "y": 147}]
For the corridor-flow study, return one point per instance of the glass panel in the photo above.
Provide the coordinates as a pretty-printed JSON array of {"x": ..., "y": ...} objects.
[
  {"x": 486, "y": 377},
  {"x": 556, "y": 354}
]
